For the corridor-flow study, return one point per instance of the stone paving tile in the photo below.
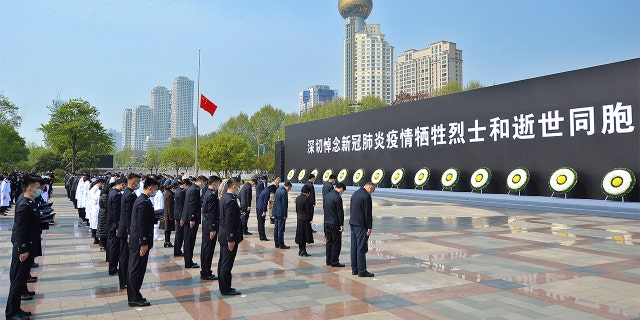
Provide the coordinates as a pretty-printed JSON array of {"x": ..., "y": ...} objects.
[{"x": 431, "y": 260}]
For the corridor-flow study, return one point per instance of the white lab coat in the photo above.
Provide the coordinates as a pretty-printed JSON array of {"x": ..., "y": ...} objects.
[
  {"x": 158, "y": 201},
  {"x": 5, "y": 193},
  {"x": 80, "y": 194},
  {"x": 93, "y": 206},
  {"x": 45, "y": 194}
]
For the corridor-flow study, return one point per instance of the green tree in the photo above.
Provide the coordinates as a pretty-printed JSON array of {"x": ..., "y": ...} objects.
[
  {"x": 74, "y": 127},
  {"x": 264, "y": 126},
  {"x": 371, "y": 102},
  {"x": 226, "y": 154},
  {"x": 152, "y": 159},
  {"x": 451, "y": 87},
  {"x": 266, "y": 162},
  {"x": 9, "y": 113},
  {"x": 48, "y": 161},
  {"x": 123, "y": 158},
  {"x": 177, "y": 158},
  {"x": 472, "y": 85},
  {"x": 289, "y": 119},
  {"x": 12, "y": 147}
]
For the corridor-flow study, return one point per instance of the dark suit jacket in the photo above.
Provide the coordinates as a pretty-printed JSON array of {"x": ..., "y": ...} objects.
[
  {"x": 312, "y": 194},
  {"x": 114, "y": 203},
  {"x": 333, "y": 209},
  {"x": 210, "y": 211},
  {"x": 259, "y": 187},
  {"x": 178, "y": 204},
  {"x": 126, "y": 206},
  {"x": 246, "y": 196},
  {"x": 326, "y": 188},
  {"x": 192, "y": 205},
  {"x": 26, "y": 227},
  {"x": 281, "y": 203},
  {"x": 361, "y": 213},
  {"x": 142, "y": 221},
  {"x": 263, "y": 201},
  {"x": 304, "y": 208},
  {"x": 230, "y": 223}
]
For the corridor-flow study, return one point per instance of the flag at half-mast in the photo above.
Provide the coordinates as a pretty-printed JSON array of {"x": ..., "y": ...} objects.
[{"x": 207, "y": 105}]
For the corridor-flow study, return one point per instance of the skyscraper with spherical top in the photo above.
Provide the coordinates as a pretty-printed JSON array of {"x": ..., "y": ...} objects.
[{"x": 368, "y": 58}]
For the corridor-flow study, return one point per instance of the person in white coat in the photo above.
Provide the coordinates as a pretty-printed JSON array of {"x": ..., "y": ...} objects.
[
  {"x": 158, "y": 207},
  {"x": 80, "y": 197},
  {"x": 93, "y": 207},
  {"x": 5, "y": 195}
]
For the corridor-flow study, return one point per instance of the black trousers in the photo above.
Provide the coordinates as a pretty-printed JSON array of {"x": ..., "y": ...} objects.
[
  {"x": 261, "y": 221},
  {"x": 177, "y": 244},
  {"x": 245, "y": 220},
  {"x": 206, "y": 253},
  {"x": 123, "y": 261},
  {"x": 167, "y": 235},
  {"x": 18, "y": 274},
  {"x": 225, "y": 264},
  {"x": 137, "y": 268},
  {"x": 113, "y": 251},
  {"x": 334, "y": 243},
  {"x": 82, "y": 213},
  {"x": 190, "y": 235}
]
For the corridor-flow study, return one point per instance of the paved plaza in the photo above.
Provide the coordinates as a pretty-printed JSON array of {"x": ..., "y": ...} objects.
[{"x": 431, "y": 259}]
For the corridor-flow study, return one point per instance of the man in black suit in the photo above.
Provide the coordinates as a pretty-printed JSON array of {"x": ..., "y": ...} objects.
[
  {"x": 114, "y": 201},
  {"x": 192, "y": 216},
  {"x": 328, "y": 186},
  {"x": 143, "y": 219},
  {"x": 246, "y": 197},
  {"x": 210, "y": 222},
  {"x": 25, "y": 231},
  {"x": 334, "y": 224},
  {"x": 361, "y": 220},
  {"x": 178, "y": 206},
  {"x": 126, "y": 206},
  {"x": 229, "y": 237},
  {"x": 312, "y": 194}
]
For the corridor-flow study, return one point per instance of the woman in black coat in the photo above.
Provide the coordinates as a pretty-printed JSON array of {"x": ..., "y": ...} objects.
[
  {"x": 102, "y": 232},
  {"x": 304, "y": 212}
]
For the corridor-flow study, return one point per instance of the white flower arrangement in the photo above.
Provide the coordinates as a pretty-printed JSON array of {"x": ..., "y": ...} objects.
[
  {"x": 302, "y": 174},
  {"x": 314, "y": 172},
  {"x": 563, "y": 180},
  {"x": 397, "y": 176},
  {"x": 450, "y": 178},
  {"x": 518, "y": 179},
  {"x": 618, "y": 182},
  {"x": 422, "y": 177},
  {"x": 357, "y": 176},
  {"x": 377, "y": 176},
  {"x": 327, "y": 173},
  {"x": 480, "y": 178},
  {"x": 342, "y": 175},
  {"x": 291, "y": 174}
]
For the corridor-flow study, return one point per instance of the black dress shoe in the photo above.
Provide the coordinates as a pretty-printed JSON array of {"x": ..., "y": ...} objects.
[
  {"x": 141, "y": 303},
  {"x": 25, "y": 313},
  {"x": 304, "y": 254},
  {"x": 18, "y": 317},
  {"x": 284, "y": 247},
  {"x": 168, "y": 245},
  {"x": 35, "y": 265},
  {"x": 180, "y": 254},
  {"x": 113, "y": 273},
  {"x": 338, "y": 265},
  {"x": 32, "y": 279},
  {"x": 265, "y": 239},
  {"x": 31, "y": 293},
  {"x": 365, "y": 274},
  {"x": 233, "y": 292},
  {"x": 247, "y": 233},
  {"x": 353, "y": 273},
  {"x": 26, "y": 296},
  {"x": 123, "y": 286},
  {"x": 193, "y": 266},
  {"x": 210, "y": 277},
  {"x": 313, "y": 231}
]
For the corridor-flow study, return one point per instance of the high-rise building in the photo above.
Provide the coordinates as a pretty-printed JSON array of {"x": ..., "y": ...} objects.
[
  {"x": 141, "y": 123},
  {"x": 422, "y": 71},
  {"x": 116, "y": 137},
  {"x": 182, "y": 108},
  {"x": 127, "y": 128},
  {"x": 368, "y": 58},
  {"x": 316, "y": 95},
  {"x": 161, "y": 109}
]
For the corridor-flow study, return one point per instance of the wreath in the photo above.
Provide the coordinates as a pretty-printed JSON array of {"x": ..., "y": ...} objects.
[
  {"x": 342, "y": 175},
  {"x": 397, "y": 176},
  {"x": 377, "y": 176},
  {"x": 618, "y": 182},
  {"x": 357, "y": 176},
  {"x": 302, "y": 174},
  {"x": 517, "y": 179},
  {"x": 422, "y": 177},
  {"x": 450, "y": 178},
  {"x": 327, "y": 174},
  {"x": 480, "y": 178},
  {"x": 563, "y": 180},
  {"x": 291, "y": 173}
]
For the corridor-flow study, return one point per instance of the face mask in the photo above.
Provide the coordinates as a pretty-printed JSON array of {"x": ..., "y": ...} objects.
[
  {"x": 38, "y": 193},
  {"x": 153, "y": 194}
]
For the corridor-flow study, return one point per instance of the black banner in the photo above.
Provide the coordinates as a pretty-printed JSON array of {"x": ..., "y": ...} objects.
[{"x": 585, "y": 119}]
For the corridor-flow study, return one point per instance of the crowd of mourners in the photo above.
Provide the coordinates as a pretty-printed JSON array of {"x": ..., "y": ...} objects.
[{"x": 126, "y": 213}]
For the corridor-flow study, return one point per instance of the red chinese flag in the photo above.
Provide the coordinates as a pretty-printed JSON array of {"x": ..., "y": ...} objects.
[{"x": 207, "y": 105}]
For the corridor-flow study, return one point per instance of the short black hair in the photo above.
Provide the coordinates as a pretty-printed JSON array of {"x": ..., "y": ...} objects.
[
  {"x": 120, "y": 181},
  {"x": 150, "y": 182},
  {"x": 333, "y": 176},
  {"x": 311, "y": 176},
  {"x": 305, "y": 189},
  {"x": 29, "y": 180},
  {"x": 341, "y": 185},
  {"x": 287, "y": 184},
  {"x": 213, "y": 179},
  {"x": 132, "y": 176},
  {"x": 202, "y": 178},
  {"x": 272, "y": 188}
]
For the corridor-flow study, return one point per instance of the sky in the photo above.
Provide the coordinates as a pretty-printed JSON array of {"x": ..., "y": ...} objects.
[{"x": 258, "y": 52}]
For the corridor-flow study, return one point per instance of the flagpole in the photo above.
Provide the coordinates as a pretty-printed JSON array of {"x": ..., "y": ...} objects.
[{"x": 198, "y": 113}]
